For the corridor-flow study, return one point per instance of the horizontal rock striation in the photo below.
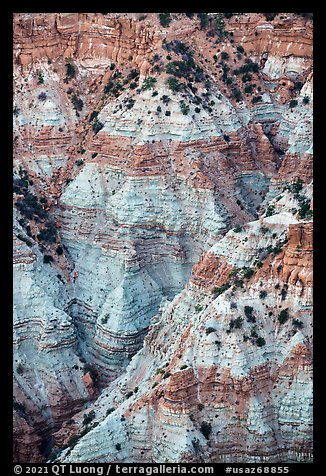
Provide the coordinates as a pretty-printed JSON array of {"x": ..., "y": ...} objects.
[
  {"x": 48, "y": 374},
  {"x": 221, "y": 392}
]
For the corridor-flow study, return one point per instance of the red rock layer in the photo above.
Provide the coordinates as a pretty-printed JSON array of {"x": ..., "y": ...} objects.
[
  {"x": 82, "y": 35},
  {"x": 291, "y": 35},
  {"x": 294, "y": 264},
  {"x": 211, "y": 271}
]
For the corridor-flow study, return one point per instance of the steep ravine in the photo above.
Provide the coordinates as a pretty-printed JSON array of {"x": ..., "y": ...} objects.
[{"x": 162, "y": 182}]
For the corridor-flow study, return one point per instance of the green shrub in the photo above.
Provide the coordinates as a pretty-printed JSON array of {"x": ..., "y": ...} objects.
[
  {"x": 184, "y": 107},
  {"x": 77, "y": 102},
  {"x": 260, "y": 341},
  {"x": 304, "y": 210},
  {"x": 20, "y": 369},
  {"x": 236, "y": 323},
  {"x": 270, "y": 210},
  {"x": 97, "y": 126},
  {"x": 165, "y": 99},
  {"x": 42, "y": 96},
  {"x": 88, "y": 417},
  {"x": 130, "y": 103},
  {"x": 93, "y": 115},
  {"x": 203, "y": 17},
  {"x": 240, "y": 49},
  {"x": 262, "y": 294},
  {"x": 73, "y": 441},
  {"x": 236, "y": 93},
  {"x": 20, "y": 407},
  {"x": 256, "y": 99},
  {"x": 165, "y": 19},
  {"x": 168, "y": 113},
  {"x": 173, "y": 84},
  {"x": 167, "y": 375},
  {"x": 284, "y": 292},
  {"x": 118, "y": 446},
  {"x": 248, "y": 89},
  {"x": 219, "y": 290},
  {"x": 53, "y": 455},
  {"x": 59, "y": 250},
  {"x": 298, "y": 324},
  {"x": 246, "y": 78},
  {"x": 209, "y": 330},
  {"x": 247, "y": 272},
  {"x": 238, "y": 229},
  {"x": 225, "y": 55},
  {"x": 201, "y": 406},
  {"x": 283, "y": 316},
  {"x": 264, "y": 230},
  {"x": 25, "y": 240},
  {"x": 248, "y": 67},
  {"x": 70, "y": 71},
  {"x": 183, "y": 367},
  {"x": 149, "y": 83},
  {"x": 219, "y": 26},
  {"x": 195, "y": 443},
  {"x": 159, "y": 109},
  {"x": 105, "y": 319},
  {"x": 226, "y": 138},
  {"x": 293, "y": 103},
  {"x": 248, "y": 311},
  {"x": 305, "y": 100},
  {"x": 238, "y": 283},
  {"x": 129, "y": 394},
  {"x": 297, "y": 85},
  {"x": 296, "y": 186},
  {"x": 198, "y": 308},
  {"x": 29, "y": 209},
  {"x": 197, "y": 110},
  {"x": 48, "y": 233},
  {"x": 270, "y": 16},
  {"x": 206, "y": 429},
  {"x": 134, "y": 73},
  {"x": 180, "y": 69}
]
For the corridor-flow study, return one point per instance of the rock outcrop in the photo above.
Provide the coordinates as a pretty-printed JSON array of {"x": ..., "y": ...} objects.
[{"x": 162, "y": 189}]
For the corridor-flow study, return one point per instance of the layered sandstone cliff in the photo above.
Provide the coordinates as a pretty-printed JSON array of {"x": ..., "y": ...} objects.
[{"x": 158, "y": 215}]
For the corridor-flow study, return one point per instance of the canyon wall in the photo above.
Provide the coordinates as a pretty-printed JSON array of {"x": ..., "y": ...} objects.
[{"x": 162, "y": 182}]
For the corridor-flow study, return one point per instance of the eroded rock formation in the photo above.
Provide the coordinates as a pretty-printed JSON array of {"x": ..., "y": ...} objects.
[{"x": 163, "y": 238}]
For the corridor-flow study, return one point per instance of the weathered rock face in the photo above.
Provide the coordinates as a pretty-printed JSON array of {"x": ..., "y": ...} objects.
[
  {"x": 241, "y": 362},
  {"x": 48, "y": 374},
  {"x": 126, "y": 192}
]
